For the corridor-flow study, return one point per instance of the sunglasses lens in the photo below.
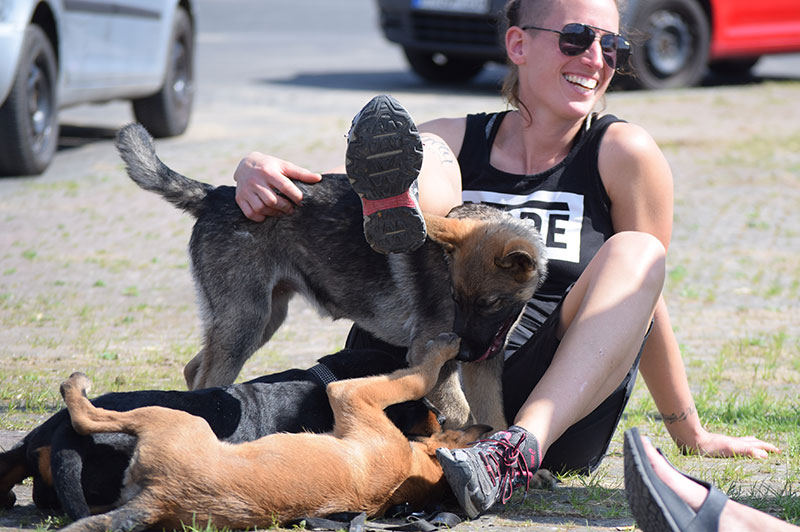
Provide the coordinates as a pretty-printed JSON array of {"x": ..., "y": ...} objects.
[
  {"x": 575, "y": 39},
  {"x": 616, "y": 50},
  {"x": 623, "y": 52},
  {"x": 608, "y": 43}
]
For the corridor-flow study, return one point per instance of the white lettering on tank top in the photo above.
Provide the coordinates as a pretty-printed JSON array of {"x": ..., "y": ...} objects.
[{"x": 558, "y": 217}]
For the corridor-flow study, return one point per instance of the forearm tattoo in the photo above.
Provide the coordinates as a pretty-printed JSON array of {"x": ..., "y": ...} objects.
[
  {"x": 441, "y": 148},
  {"x": 681, "y": 416}
]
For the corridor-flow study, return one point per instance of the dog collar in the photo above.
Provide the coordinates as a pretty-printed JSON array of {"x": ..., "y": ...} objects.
[{"x": 323, "y": 374}]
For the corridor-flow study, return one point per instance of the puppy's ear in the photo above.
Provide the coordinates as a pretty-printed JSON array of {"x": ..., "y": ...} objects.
[
  {"x": 447, "y": 232},
  {"x": 517, "y": 259}
]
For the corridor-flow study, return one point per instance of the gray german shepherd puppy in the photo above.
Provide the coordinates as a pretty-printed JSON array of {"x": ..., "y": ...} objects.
[{"x": 246, "y": 272}]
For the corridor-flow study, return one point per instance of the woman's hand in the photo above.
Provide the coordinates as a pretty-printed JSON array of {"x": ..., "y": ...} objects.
[
  {"x": 264, "y": 186},
  {"x": 722, "y": 446}
]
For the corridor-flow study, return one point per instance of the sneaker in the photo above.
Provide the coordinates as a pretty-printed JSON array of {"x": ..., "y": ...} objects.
[
  {"x": 383, "y": 159},
  {"x": 487, "y": 473}
]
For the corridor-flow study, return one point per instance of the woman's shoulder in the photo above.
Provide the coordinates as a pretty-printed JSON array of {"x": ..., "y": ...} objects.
[
  {"x": 626, "y": 140},
  {"x": 628, "y": 154}
]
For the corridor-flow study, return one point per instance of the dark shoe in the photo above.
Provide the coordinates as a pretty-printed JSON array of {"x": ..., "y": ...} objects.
[
  {"x": 654, "y": 505},
  {"x": 487, "y": 473},
  {"x": 383, "y": 160}
]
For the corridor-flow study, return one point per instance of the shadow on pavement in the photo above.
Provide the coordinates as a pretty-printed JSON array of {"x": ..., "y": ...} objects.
[
  {"x": 486, "y": 84},
  {"x": 72, "y": 136}
]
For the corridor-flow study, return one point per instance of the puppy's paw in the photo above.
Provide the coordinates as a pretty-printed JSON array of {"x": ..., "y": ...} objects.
[
  {"x": 78, "y": 382},
  {"x": 446, "y": 344}
]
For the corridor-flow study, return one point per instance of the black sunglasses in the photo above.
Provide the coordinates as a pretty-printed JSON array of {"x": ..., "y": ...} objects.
[{"x": 575, "y": 38}]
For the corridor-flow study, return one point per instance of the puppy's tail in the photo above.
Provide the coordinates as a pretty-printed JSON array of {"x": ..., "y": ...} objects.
[{"x": 135, "y": 146}]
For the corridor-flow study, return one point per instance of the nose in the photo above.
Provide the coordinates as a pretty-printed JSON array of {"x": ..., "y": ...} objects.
[{"x": 594, "y": 55}]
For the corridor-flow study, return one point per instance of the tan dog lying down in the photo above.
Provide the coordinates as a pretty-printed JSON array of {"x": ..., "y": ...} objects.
[{"x": 181, "y": 473}]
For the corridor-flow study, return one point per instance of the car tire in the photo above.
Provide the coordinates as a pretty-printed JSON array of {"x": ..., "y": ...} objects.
[
  {"x": 675, "y": 53},
  {"x": 29, "y": 116},
  {"x": 167, "y": 112},
  {"x": 441, "y": 68}
]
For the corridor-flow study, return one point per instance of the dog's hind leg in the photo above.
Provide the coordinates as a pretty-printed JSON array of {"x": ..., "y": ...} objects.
[
  {"x": 89, "y": 419},
  {"x": 236, "y": 326}
]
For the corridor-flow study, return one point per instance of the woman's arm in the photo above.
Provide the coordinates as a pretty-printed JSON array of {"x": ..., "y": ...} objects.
[
  {"x": 639, "y": 183},
  {"x": 260, "y": 177},
  {"x": 663, "y": 371}
]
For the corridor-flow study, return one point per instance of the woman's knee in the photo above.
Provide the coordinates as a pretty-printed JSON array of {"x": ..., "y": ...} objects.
[{"x": 641, "y": 256}]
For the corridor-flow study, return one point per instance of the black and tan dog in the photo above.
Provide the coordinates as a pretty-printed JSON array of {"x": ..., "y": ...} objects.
[
  {"x": 82, "y": 474},
  {"x": 181, "y": 473},
  {"x": 246, "y": 272}
]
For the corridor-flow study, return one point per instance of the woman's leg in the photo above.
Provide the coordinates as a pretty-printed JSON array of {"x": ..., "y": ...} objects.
[
  {"x": 439, "y": 178},
  {"x": 603, "y": 320}
]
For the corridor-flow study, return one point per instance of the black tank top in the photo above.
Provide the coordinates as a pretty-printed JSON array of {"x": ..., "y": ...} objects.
[{"x": 568, "y": 203}]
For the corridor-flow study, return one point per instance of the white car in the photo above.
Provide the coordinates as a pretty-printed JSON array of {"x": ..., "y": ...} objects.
[{"x": 55, "y": 53}]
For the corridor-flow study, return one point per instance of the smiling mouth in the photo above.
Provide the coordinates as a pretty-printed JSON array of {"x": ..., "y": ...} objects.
[
  {"x": 499, "y": 340},
  {"x": 585, "y": 83}
]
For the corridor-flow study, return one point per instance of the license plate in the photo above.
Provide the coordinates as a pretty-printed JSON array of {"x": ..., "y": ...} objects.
[{"x": 461, "y": 6}]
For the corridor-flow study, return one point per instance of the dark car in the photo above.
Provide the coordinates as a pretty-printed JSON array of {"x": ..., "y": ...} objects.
[{"x": 674, "y": 41}]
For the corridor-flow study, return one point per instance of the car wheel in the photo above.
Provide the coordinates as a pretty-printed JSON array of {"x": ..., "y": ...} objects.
[
  {"x": 29, "y": 116},
  {"x": 675, "y": 53},
  {"x": 441, "y": 68},
  {"x": 166, "y": 113}
]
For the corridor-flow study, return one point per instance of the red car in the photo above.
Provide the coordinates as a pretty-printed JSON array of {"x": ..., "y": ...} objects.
[
  {"x": 682, "y": 37},
  {"x": 674, "y": 41}
]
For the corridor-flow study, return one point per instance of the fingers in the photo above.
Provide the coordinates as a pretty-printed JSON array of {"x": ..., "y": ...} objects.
[
  {"x": 719, "y": 446},
  {"x": 265, "y": 187},
  {"x": 293, "y": 171},
  {"x": 756, "y": 448}
]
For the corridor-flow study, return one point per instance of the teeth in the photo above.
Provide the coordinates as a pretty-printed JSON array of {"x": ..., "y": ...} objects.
[{"x": 586, "y": 83}]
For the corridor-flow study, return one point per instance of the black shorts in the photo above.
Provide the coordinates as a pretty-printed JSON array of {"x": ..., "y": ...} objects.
[{"x": 582, "y": 447}]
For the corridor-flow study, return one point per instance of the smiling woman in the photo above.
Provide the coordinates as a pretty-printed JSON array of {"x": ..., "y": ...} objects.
[{"x": 600, "y": 193}]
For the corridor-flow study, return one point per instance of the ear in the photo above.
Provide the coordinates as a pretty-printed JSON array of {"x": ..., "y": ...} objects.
[
  {"x": 514, "y": 45},
  {"x": 447, "y": 232},
  {"x": 516, "y": 260}
]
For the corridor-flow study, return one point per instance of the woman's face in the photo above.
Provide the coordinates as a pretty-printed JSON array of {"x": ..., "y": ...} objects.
[{"x": 568, "y": 86}]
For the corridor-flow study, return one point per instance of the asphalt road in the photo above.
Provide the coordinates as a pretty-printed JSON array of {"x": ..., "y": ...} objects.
[{"x": 303, "y": 56}]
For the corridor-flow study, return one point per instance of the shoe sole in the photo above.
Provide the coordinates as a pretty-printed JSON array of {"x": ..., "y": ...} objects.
[
  {"x": 383, "y": 159},
  {"x": 456, "y": 477},
  {"x": 646, "y": 506}
]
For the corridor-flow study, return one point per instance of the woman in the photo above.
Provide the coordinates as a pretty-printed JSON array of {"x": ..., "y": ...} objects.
[{"x": 601, "y": 192}]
